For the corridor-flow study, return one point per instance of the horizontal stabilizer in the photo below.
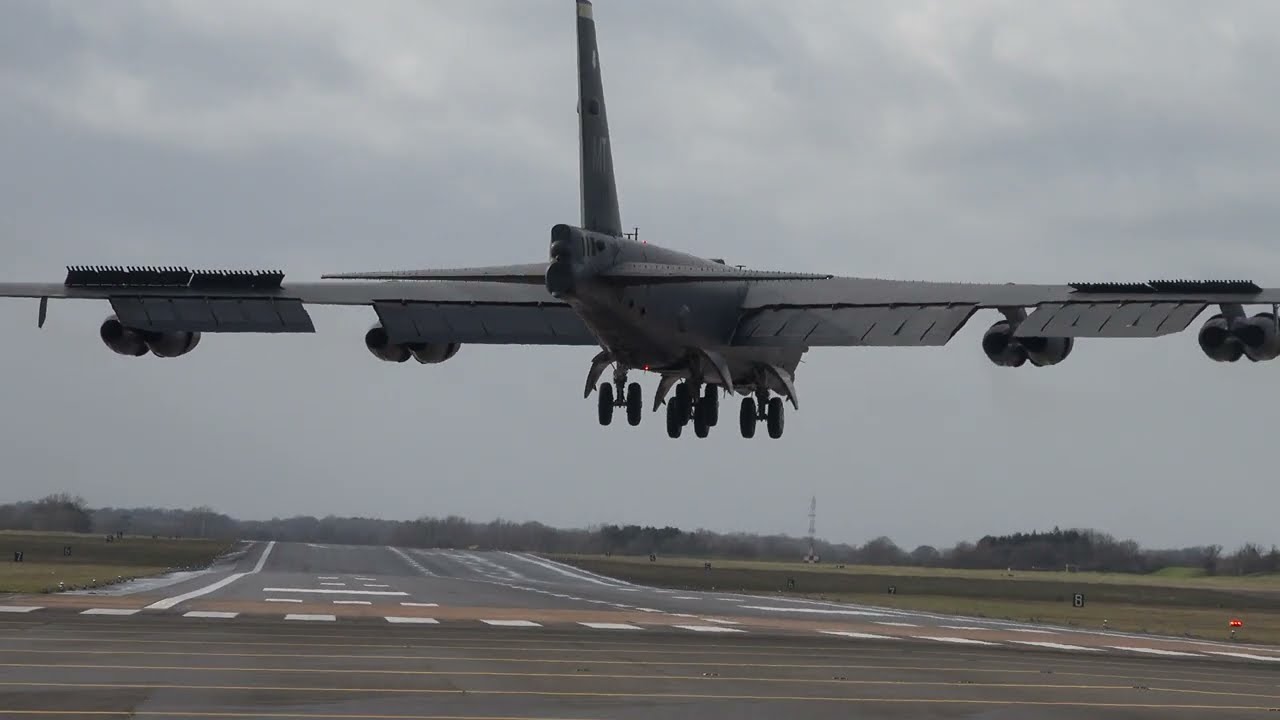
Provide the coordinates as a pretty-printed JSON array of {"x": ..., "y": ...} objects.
[
  {"x": 530, "y": 274},
  {"x": 639, "y": 273}
]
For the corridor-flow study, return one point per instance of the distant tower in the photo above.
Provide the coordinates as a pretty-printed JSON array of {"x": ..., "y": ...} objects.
[{"x": 812, "y": 557}]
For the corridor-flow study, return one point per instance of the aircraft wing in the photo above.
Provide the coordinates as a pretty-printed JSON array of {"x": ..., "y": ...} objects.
[
  {"x": 871, "y": 312},
  {"x": 169, "y": 300}
]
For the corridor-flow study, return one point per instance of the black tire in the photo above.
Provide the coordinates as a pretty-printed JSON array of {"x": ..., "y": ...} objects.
[
  {"x": 605, "y": 403},
  {"x": 674, "y": 422},
  {"x": 747, "y": 418},
  {"x": 775, "y": 418},
  {"x": 635, "y": 404},
  {"x": 700, "y": 426},
  {"x": 711, "y": 405},
  {"x": 684, "y": 402}
]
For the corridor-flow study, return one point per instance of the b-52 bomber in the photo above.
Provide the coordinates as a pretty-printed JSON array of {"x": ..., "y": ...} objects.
[{"x": 706, "y": 328}]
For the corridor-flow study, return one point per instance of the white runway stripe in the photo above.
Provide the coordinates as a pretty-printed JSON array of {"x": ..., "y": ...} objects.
[
  {"x": 365, "y": 579},
  {"x": 352, "y": 602},
  {"x": 963, "y": 627},
  {"x": 414, "y": 563},
  {"x": 209, "y": 614},
  {"x": 1246, "y": 656},
  {"x": 1032, "y": 631},
  {"x": 412, "y": 620},
  {"x": 167, "y": 603},
  {"x": 320, "y": 617},
  {"x": 710, "y": 628},
  {"x": 610, "y": 626},
  {"x": 683, "y": 597},
  {"x": 859, "y": 635},
  {"x": 811, "y": 611},
  {"x": 568, "y": 570},
  {"x": 376, "y": 585},
  {"x": 895, "y": 624},
  {"x": 329, "y": 577},
  {"x": 295, "y": 600},
  {"x": 511, "y": 623},
  {"x": 110, "y": 611},
  {"x": 19, "y": 608},
  {"x": 956, "y": 640},
  {"x": 334, "y": 591},
  {"x": 333, "y": 584},
  {"x": 1056, "y": 646},
  {"x": 718, "y": 621},
  {"x": 418, "y": 604},
  {"x": 1155, "y": 651}
]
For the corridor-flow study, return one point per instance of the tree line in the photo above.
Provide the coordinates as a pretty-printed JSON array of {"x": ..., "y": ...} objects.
[{"x": 1057, "y": 549}]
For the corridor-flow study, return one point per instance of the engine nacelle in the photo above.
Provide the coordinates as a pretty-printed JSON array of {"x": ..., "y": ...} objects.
[
  {"x": 1218, "y": 342},
  {"x": 1258, "y": 336},
  {"x": 1005, "y": 350},
  {"x": 379, "y": 343},
  {"x": 122, "y": 340},
  {"x": 1042, "y": 351},
  {"x": 172, "y": 344}
]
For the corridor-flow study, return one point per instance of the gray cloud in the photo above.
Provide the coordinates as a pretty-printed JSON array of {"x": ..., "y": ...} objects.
[{"x": 979, "y": 141}]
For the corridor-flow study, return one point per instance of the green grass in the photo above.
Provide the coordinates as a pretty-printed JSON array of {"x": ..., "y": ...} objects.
[
  {"x": 1179, "y": 602},
  {"x": 94, "y": 562}
]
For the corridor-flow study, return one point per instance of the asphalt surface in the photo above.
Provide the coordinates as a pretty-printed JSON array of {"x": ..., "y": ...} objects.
[{"x": 318, "y": 631}]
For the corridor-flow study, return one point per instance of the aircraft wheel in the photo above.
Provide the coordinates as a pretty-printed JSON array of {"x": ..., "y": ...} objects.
[
  {"x": 701, "y": 427},
  {"x": 605, "y": 403},
  {"x": 774, "y": 417},
  {"x": 635, "y": 404},
  {"x": 711, "y": 405},
  {"x": 747, "y": 418},
  {"x": 675, "y": 423},
  {"x": 683, "y": 402}
]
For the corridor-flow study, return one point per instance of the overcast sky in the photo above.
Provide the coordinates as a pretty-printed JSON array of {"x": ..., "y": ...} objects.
[{"x": 977, "y": 141}]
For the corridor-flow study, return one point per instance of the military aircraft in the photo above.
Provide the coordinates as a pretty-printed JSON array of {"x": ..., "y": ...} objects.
[{"x": 706, "y": 328}]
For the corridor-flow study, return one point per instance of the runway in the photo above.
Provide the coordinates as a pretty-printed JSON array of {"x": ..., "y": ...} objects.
[{"x": 311, "y": 631}]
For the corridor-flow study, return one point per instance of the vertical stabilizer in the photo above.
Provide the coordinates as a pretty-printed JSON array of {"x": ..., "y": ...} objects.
[{"x": 599, "y": 193}]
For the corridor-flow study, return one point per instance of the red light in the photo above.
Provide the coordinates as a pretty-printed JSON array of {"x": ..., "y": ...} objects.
[
  {"x": 1236, "y": 623},
  {"x": 646, "y": 368}
]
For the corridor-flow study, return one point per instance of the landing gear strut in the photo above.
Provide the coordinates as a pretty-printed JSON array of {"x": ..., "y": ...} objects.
[{"x": 627, "y": 396}]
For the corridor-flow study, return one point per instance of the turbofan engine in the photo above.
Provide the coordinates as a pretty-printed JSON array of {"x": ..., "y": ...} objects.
[
  {"x": 379, "y": 343},
  {"x": 125, "y": 340},
  {"x": 1225, "y": 341},
  {"x": 1005, "y": 350}
]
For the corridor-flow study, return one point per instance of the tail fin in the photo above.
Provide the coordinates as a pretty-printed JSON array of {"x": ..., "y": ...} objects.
[{"x": 599, "y": 192}]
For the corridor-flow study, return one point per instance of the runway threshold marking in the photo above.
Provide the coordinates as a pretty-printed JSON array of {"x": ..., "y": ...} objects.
[
  {"x": 709, "y": 628},
  {"x": 334, "y": 591},
  {"x": 610, "y": 626},
  {"x": 292, "y": 600},
  {"x": 405, "y": 620},
  {"x": 209, "y": 614},
  {"x": 413, "y": 563},
  {"x": 511, "y": 623},
  {"x": 316, "y": 617},
  {"x": 19, "y": 608},
  {"x": 420, "y": 604},
  {"x": 169, "y": 602},
  {"x": 847, "y": 699},
  {"x": 352, "y": 602},
  {"x": 111, "y": 611}
]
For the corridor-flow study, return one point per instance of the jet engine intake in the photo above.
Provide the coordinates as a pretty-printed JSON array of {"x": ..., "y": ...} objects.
[
  {"x": 1218, "y": 342},
  {"x": 378, "y": 341},
  {"x": 122, "y": 340},
  {"x": 1258, "y": 336},
  {"x": 1005, "y": 350}
]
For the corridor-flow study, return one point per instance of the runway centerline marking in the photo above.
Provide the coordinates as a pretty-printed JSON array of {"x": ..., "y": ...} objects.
[
  {"x": 956, "y": 640},
  {"x": 209, "y": 614},
  {"x": 169, "y": 602},
  {"x": 709, "y": 628},
  {"x": 292, "y": 600},
  {"x": 111, "y": 611},
  {"x": 1056, "y": 646},
  {"x": 511, "y": 623},
  {"x": 352, "y": 602},
  {"x": 420, "y": 604},
  {"x": 1156, "y": 651},
  {"x": 814, "y": 611},
  {"x": 412, "y": 620},
  {"x": 332, "y": 591},
  {"x": 610, "y": 626},
  {"x": 895, "y": 624},
  {"x": 334, "y": 584},
  {"x": 19, "y": 608},
  {"x": 858, "y": 635},
  {"x": 319, "y": 617},
  {"x": 376, "y": 585}
]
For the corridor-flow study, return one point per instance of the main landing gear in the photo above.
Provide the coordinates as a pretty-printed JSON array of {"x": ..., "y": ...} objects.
[
  {"x": 687, "y": 405},
  {"x": 631, "y": 399},
  {"x": 762, "y": 407}
]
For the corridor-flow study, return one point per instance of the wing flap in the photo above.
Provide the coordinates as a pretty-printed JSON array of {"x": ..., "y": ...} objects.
[
  {"x": 1110, "y": 319},
  {"x": 509, "y": 324},
  {"x": 863, "y": 325},
  {"x": 213, "y": 314}
]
